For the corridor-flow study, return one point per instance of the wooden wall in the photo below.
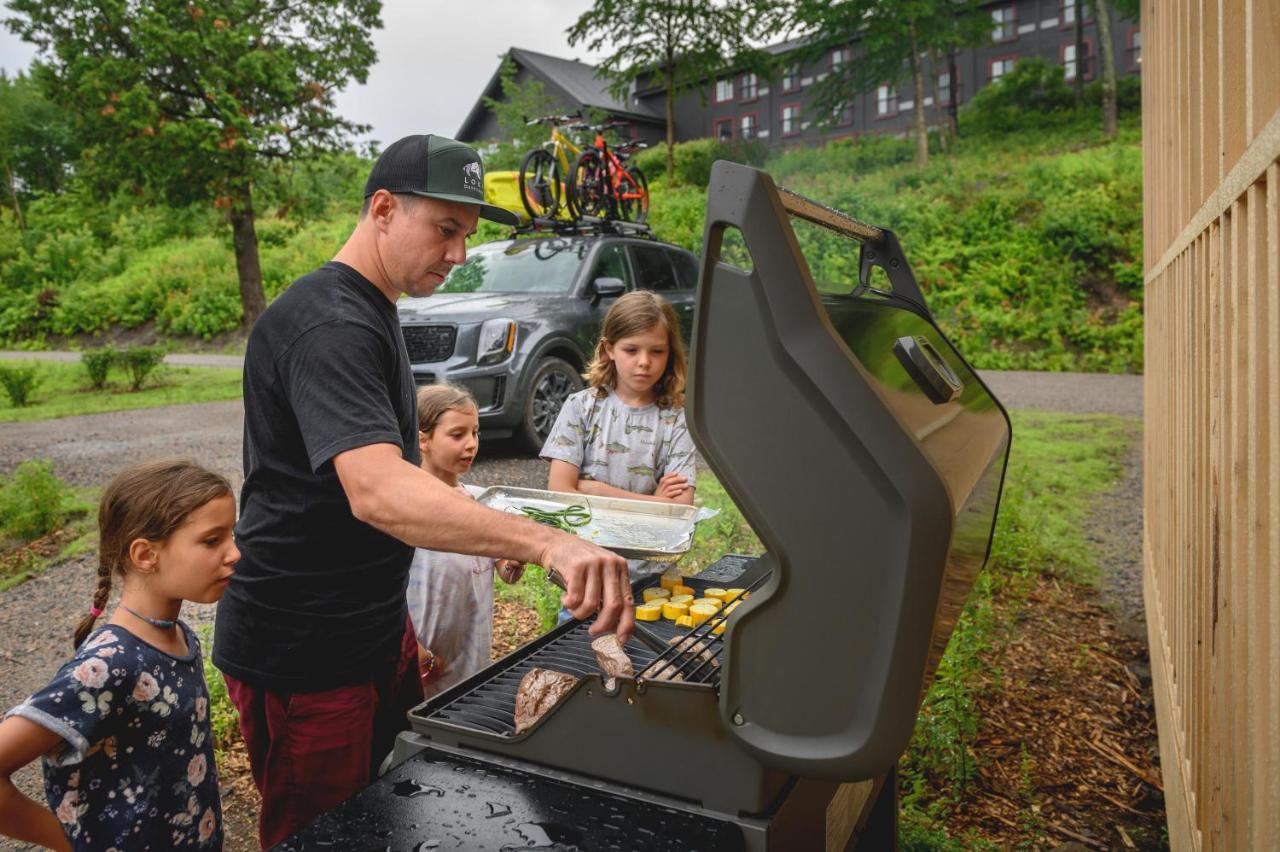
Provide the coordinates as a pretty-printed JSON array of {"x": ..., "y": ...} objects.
[{"x": 1211, "y": 146}]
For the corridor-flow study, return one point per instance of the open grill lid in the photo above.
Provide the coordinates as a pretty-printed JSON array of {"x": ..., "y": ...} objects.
[{"x": 866, "y": 454}]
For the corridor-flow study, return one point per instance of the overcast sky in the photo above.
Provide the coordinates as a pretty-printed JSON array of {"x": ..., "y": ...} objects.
[{"x": 434, "y": 57}]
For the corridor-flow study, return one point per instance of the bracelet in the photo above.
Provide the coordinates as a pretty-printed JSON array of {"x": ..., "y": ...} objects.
[{"x": 431, "y": 663}]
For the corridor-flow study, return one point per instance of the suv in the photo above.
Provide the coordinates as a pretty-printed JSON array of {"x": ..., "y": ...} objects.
[{"x": 516, "y": 323}]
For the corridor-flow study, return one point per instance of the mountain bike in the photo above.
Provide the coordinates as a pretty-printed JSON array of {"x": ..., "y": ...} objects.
[
  {"x": 543, "y": 170},
  {"x": 601, "y": 184}
]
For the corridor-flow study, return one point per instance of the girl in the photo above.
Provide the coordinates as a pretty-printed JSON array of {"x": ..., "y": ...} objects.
[
  {"x": 625, "y": 436},
  {"x": 124, "y": 726},
  {"x": 450, "y": 595}
]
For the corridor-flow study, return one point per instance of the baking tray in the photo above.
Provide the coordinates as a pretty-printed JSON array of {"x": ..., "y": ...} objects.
[{"x": 636, "y": 529}]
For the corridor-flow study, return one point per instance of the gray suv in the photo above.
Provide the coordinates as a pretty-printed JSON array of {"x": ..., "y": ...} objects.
[{"x": 517, "y": 322}]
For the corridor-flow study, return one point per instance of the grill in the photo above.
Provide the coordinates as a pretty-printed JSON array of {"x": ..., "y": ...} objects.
[
  {"x": 875, "y": 518},
  {"x": 428, "y": 343}
]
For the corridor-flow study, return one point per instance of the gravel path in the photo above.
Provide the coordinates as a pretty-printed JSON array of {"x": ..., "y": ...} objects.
[{"x": 36, "y": 618}]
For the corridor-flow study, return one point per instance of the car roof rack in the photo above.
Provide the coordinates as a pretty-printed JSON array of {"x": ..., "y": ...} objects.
[{"x": 584, "y": 226}]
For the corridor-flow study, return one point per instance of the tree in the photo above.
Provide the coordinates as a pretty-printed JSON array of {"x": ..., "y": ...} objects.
[
  {"x": 189, "y": 100},
  {"x": 519, "y": 103},
  {"x": 1103, "y": 10},
  {"x": 37, "y": 144},
  {"x": 682, "y": 42},
  {"x": 893, "y": 37}
]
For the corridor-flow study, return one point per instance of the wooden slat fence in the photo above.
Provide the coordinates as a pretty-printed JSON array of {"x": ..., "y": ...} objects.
[{"x": 1211, "y": 143}]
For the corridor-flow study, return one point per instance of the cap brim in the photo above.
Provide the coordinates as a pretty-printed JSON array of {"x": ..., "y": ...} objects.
[{"x": 492, "y": 212}]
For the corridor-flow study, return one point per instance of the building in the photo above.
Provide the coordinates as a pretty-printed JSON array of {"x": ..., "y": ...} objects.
[{"x": 742, "y": 106}]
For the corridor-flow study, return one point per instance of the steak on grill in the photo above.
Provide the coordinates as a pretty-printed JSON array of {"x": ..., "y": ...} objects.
[
  {"x": 613, "y": 661},
  {"x": 539, "y": 691}
]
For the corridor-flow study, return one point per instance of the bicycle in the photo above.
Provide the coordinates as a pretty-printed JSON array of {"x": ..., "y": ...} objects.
[
  {"x": 602, "y": 183},
  {"x": 543, "y": 170}
]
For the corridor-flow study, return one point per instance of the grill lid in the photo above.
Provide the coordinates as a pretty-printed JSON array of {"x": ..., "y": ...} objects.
[{"x": 866, "y": 454}]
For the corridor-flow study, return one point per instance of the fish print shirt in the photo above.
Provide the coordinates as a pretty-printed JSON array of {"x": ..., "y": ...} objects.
[{"x": 135, "y": 768}]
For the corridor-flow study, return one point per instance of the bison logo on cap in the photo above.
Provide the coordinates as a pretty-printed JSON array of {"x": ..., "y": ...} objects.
[{"x": 472, "y": 177}]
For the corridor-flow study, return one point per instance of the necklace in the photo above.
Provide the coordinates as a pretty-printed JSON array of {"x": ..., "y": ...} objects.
[{"x": 162, "y": 623}]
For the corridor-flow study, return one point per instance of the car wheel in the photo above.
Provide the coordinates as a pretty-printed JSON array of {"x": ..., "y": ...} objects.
[{"x": 552, "y": 383}]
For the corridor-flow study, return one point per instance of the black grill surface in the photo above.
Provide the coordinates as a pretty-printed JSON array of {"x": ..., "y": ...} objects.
[
  {"x": 427, "y": 343},
  {"x": 491, "y": 706}
]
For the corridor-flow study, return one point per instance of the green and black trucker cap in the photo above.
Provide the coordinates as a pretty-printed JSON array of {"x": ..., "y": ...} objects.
[{"x": 435, "y": 167}]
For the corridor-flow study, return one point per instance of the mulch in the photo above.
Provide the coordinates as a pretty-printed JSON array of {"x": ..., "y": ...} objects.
[{"x": 1067, "y": 748}]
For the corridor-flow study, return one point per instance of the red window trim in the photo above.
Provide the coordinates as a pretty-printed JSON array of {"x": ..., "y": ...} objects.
[
  {"x": 1013, "y": 25},
  {"x": 1088, "y": 55},
  {"x": 782, "y": 115},
  {"x": 742, "y": 87},
  {"x": 754, "y": 115},
  {"x": 875, "y": 97},
  {"x": 993, "y": 60},
  {"x": 782, "y": 82},
  {"x": 1130, "y": 65},
  {"x": 715, "y": 91},
  {"x": 1064, "y": 24},
  {"x": 715, "y": 127}
]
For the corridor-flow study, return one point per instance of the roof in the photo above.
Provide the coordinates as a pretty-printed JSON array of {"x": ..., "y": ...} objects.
[{"x": 578, "y": 81}]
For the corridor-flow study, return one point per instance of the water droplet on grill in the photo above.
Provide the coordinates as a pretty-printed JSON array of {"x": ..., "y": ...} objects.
[
  {"x": 427, "y": 844},
  {"x": 497, "y": 809},
  {"x": 411, "y": 789}
]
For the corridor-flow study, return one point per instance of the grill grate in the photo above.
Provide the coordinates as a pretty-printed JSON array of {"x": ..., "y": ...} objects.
[
  {"x": 491, "y": 706},
  {"x": 427, "y": 343}
]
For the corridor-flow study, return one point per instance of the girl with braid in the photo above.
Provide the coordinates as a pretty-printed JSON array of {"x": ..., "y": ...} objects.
[{"x": 124, "y": 726}]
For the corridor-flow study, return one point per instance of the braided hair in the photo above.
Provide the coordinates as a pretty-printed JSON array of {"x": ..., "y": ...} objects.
[{"x": 148, "y": 501}]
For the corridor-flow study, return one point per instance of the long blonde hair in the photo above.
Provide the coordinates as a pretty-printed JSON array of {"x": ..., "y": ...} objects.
[
  {"x": 636, "y": 313},
  {"x": 144, "y": 501},
  {"x": 435, "y": 400}
]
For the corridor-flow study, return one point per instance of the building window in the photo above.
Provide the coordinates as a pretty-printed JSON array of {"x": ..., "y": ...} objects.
[
  {"x": 724, "y": 90},
  {"x": 944, "y": 88},
  {"x": 1069, "y": 64},
  {"x": 842, "y": 115},
  {"x": 748, "y": 125},
  {"x": 1134, "y": 52},
  {"x": 791, "y": 119},
  {"x": 723, "y": 129},
  {"x": 886, "y": 101},
  {"x": 1004, "y": 24},
  {"x": 1067, "y": 12},
  {"x": 841, "y": 56},
  {"x": 748, "y": 87},
  {"x": 791, "y": 78},
  {"x": 997, "y": 68}
]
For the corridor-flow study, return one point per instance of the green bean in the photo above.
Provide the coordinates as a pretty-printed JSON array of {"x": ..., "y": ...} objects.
[{"x": 565, "y": 519}]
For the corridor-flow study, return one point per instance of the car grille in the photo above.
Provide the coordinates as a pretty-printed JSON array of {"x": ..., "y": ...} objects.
[{"x": 427, "y": 343}]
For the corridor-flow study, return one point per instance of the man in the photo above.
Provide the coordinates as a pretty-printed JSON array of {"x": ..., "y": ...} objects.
[{"x": 312, "y": 634}]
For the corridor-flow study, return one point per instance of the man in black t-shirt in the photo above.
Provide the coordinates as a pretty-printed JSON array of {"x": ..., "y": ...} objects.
[{"x": 311, "y": 634}]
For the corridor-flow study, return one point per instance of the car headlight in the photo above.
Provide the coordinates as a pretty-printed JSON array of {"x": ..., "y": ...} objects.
[{"x": 497, "y": 341}]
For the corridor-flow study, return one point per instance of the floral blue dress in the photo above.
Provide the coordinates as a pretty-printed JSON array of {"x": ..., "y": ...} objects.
[{"x": 135, "y": 770}]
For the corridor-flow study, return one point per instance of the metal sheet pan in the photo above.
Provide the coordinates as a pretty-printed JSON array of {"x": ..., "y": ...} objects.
[{"x": 636, "y": 529}]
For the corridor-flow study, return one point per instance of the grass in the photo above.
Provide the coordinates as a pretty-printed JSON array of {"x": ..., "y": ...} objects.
[
  {"x": 64, "y": 391},
  {"x": 1059, "y": 464},
  {"x": 222, "y": 713}
]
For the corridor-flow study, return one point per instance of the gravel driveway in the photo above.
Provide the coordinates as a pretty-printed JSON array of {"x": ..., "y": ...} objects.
[{"x": 37, "y": 617}]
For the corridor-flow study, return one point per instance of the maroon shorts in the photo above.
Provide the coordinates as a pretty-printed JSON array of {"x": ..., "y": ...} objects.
[{"x": 313, "y": 750}]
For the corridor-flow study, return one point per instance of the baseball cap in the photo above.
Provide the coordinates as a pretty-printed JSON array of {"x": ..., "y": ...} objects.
[{"x": 435, "y": 167}]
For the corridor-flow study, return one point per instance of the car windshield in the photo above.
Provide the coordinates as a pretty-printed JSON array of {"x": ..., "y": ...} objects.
[{"x": 535, "y": 266}]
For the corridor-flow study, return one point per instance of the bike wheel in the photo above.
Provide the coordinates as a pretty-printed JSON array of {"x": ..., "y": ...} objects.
[
  {"x": 540, "y": 184},
  {"x": 633, "y": 195},
  {"x": 587, "y": 184}
]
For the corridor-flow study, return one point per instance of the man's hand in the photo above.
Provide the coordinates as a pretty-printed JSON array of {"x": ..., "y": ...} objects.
[
  {"x": 672, "y": 486},
  {"x": 594, "y": 579}
]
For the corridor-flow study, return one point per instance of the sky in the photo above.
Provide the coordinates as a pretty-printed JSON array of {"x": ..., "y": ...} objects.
[{"x": 434, "y": 58}]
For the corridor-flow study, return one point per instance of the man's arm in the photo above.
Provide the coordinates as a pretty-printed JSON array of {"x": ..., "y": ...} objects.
[{"x": 389, "y": 493}]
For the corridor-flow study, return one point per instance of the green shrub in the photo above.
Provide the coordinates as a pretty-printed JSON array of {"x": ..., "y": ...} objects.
[
  {"x": 140, "y": 361},
  {"x": 693, "y": 159},
  {"x": 97, "y": 363},
  {"x": 1034, "y": 91},
  {"x": 33, "y": 501},
  {"x": 223, "y": 718},
  {"x": 19, "y": 383}
]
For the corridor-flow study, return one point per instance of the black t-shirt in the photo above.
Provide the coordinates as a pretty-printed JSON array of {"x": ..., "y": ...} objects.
[{"x": 318, "y": 598}]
